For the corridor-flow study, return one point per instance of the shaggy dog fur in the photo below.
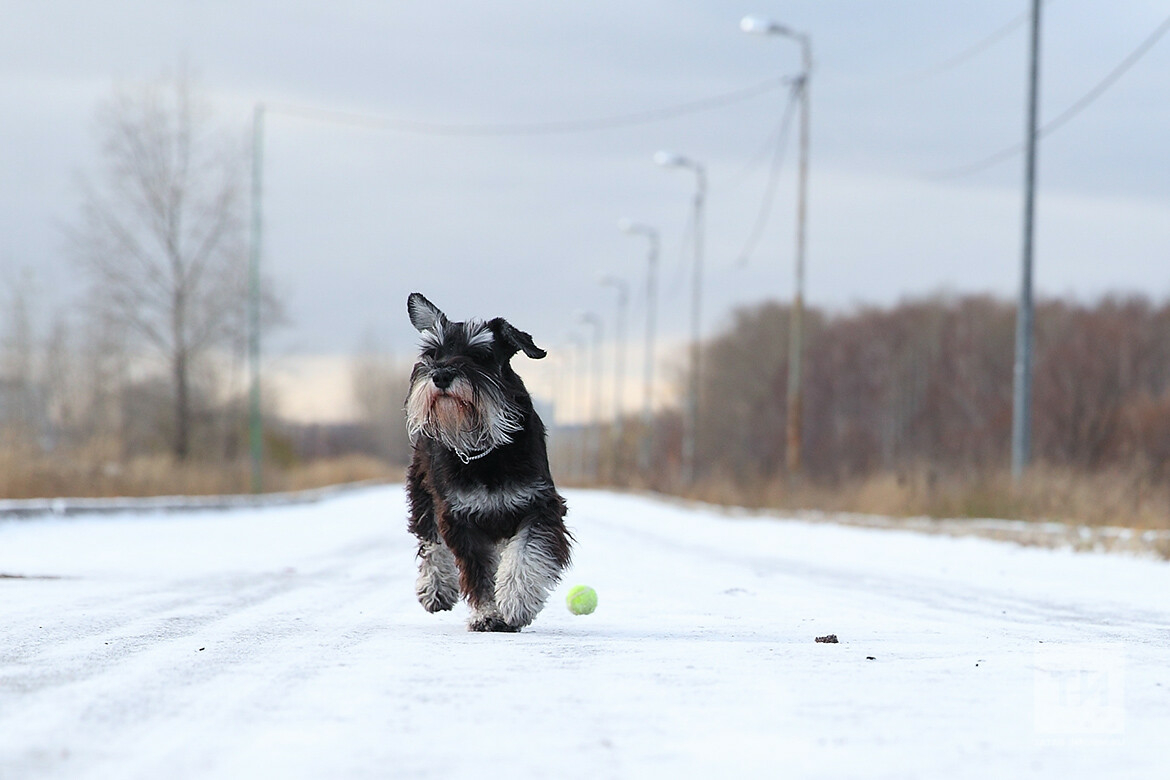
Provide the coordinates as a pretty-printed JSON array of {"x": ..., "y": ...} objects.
[{"x": 488, "y": 518}]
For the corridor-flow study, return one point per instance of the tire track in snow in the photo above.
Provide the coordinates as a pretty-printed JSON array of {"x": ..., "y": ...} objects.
[{"x": 132, "y": 653}]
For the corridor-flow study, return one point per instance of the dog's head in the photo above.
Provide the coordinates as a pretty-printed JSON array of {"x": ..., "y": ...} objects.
[{"x": 463, "y": 390}]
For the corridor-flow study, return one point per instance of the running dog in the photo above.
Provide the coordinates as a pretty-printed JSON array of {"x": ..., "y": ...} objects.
[{"x": 488, "y": 518}]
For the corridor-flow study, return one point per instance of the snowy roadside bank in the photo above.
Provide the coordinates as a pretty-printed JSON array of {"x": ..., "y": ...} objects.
[
  {"x": 1145, "y": 543},
  {"x": 25, "y": 508},
  {"x": 1152, "y": 543}
]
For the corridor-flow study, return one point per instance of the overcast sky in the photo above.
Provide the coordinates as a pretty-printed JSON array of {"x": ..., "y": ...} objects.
[{"x": 524, "y": 226}]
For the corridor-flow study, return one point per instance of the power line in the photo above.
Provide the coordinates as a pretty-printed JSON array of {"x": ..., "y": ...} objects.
[
  {"x": 1109, "y": 79},
  {"x": 1065, "y": 116},
  {"x": 530, "y": 128},
  {"x": 765, "y": 210},
  {"x": 974, "y": 49},
  {"x": 758, "y": 159}
]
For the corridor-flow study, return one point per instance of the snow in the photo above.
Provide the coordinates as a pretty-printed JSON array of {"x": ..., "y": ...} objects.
[{"x": 286, "y": 642}]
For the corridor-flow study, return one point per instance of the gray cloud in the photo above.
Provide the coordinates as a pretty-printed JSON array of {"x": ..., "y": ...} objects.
[{"x": 524, "y": 226}]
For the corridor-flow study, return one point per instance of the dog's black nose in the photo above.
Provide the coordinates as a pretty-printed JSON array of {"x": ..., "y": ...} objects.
[{"x": 443, "y": 377}]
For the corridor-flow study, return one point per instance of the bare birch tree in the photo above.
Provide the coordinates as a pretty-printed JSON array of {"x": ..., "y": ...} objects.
[{"x": 161, "y": 234}]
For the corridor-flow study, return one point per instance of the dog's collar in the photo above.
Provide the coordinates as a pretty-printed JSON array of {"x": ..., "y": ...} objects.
[{"x": 467, "y": 458}]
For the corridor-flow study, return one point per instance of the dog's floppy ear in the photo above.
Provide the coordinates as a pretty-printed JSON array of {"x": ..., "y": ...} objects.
[
  {"x": 512, "y": 340},
  {"x": 424, "y": 315}
]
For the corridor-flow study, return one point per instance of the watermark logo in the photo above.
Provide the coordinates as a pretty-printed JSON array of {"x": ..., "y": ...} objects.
[{"x": 1079, "y": 692}]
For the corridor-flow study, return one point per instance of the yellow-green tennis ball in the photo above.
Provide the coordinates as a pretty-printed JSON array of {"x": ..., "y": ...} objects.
[{"x": 582, "y": 600}]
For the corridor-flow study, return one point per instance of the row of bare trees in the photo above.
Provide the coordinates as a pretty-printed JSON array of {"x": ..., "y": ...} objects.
[
  {"x": 929, "y": 383},
  {"x": 76, "y": 383},
  {"x": 379, "y": 384},
  {"x": 152, "y": 360}
]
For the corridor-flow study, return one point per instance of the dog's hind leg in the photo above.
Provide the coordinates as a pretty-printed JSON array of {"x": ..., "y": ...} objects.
[{"x": 530, "y": 567}]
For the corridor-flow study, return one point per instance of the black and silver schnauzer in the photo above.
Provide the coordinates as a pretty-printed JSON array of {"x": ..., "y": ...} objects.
[{"x": 483, "y": 505}]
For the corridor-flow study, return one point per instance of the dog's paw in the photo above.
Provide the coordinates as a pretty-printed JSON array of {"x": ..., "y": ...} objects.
[
  {"x": 518, "y": 609},
  {"x": 437, "y": 586},
  {"x": 487, "y": 617},
  {"x": 491, "y": 623},
  {"x": 437, "y": 602}
]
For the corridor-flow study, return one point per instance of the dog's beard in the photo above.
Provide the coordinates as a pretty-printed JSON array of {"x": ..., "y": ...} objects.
[{"x": 461, "y": 417}]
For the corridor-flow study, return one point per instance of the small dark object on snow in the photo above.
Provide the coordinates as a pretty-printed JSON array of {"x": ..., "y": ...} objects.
[
  {"x": 828, "y": 639},
  {"x": 870, "y": 658}
]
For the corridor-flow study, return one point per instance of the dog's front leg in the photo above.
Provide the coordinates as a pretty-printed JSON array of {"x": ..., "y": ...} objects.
[
  {"x": 530, "y": 567},
  {"x": 437, "y": 586},
  {"x": 478, "y": 557}
]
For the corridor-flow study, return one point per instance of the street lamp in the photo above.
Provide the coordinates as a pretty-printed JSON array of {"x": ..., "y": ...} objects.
[
  {"x": 255, "y": 418},
  {"x": 759, "y": 26},
  {"x": 594, "y": 321},
  {"x": 619, "y": 364},
  {"x": 561, "y": 392},
  {"x": 632, "y": 228},
  {"x": 579, "y": 401},
  {"x": 691, "y": 419}
]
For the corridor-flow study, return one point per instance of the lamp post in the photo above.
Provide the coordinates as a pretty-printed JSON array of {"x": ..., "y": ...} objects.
[
  {"x": 691, "y": 418},
  {"x": 255, "y": 419},
  {"x": 579, "y": 400},
  {"x": 756, "y": 25},
  {"x": 561, "y": 377},
  {"x": 619, "y": 364},
  {"x": 594, "y": 321},
  {"x": 632, "y": 228}
]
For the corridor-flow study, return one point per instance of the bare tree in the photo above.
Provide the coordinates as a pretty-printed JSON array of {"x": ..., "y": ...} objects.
[
  {"x": 379, "y": 388},
  {"x": 161, "y": 232},
  {"x": 928, "y": 383},
  {"x": 18, "y": 392}
]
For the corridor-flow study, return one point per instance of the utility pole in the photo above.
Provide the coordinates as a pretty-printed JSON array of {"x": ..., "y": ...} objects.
[
  {"x": 579, "y": 385},
  {"x": 795, "y": 430},
  {"x": 648, "y": 366},
  {"x": 691, "y": 416},
  {"x": 1022, "y": 390},
  {"x": 594, "y": 321},
  {"x": 255, "y": 422},
  {"x": 651, "y": 234},
  {"x": 619, "y": 371},
  {"x": 690, "y": 468}
]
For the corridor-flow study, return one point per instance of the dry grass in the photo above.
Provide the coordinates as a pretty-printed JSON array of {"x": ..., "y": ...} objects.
[
  {"x": 1117, "y": 497},
  {"x": 1130, "y": 498},
  {"x": 89, "y": 475}
]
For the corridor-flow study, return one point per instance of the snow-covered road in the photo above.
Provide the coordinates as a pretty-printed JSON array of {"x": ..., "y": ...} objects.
[{"x": 286, "y": 642}]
